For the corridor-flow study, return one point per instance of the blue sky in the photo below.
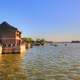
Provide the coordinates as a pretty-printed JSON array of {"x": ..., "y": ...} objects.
[{"x": 57, "y": 20}]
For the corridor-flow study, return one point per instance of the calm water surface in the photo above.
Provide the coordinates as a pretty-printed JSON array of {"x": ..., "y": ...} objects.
[{"x": 42, "y": 63}]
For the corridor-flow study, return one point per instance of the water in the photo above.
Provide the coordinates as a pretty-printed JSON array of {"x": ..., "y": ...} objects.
[{"x": 42, "y": 63}]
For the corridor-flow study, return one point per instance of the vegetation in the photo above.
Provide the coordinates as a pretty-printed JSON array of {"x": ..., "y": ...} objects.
[
  {"x": 28, "y": 40},
  {"x": 39, "y": 41},
  {"x": 34, "y": 42},
  {"x": 75, "y": 41}
]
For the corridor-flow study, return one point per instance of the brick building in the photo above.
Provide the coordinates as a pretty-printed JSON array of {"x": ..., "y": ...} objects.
[{"x": 10, "y": 38}]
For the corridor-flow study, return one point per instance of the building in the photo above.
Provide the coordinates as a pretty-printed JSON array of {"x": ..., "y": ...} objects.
[{"x": 10, "y": 39}]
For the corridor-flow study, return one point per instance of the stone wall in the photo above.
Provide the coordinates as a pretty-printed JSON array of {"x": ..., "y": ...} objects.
[{"x": 22, "y": 48}]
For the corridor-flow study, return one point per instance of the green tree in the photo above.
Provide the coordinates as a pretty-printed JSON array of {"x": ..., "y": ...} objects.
[{"x": 28, "y": 40}]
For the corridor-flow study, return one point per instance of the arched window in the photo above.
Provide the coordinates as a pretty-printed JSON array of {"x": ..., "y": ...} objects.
[
  {"x": 13, "y": 45},
  {"x": 9, "y": 45},
  {"x": 4, "y": 45}
]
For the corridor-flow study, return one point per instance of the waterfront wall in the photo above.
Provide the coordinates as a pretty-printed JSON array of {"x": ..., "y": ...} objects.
[
  {"x": 28, "y": 45},
  {"x": 22, "y": 48},
  {"x": 16, "y": 49},
  {"x": 0, "y": 49}
]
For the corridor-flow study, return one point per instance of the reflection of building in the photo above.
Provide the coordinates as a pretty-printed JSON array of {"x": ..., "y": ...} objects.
[{"x": 10, "y": 38}]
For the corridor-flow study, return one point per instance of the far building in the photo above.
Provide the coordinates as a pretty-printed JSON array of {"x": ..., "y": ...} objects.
[{"x": 10, "y": 38}]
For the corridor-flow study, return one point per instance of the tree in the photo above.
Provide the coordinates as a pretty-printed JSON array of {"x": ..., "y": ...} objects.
[
  {"x": 40, "y": 41},
  {"x": 28, "y": 40}
]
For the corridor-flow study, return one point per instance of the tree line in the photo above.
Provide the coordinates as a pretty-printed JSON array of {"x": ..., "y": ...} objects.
[{"x": 38, "y": 41}]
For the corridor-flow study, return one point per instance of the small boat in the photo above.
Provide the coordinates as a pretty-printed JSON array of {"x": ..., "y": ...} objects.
[
  {"x": 65, "y": 44},
  {"x": 55, "y": 45}
]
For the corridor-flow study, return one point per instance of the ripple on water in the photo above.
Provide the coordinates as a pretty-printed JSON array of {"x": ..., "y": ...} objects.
[{"x": 42, "y": 63}]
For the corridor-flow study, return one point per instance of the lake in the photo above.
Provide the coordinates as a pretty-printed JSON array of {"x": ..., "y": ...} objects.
[{"x": 42, "y": 63}]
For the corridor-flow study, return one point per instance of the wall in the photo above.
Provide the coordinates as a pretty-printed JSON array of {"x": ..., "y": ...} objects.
[
  {"x": 22, "y": 48},
  {"x": 0, "y": 49}
]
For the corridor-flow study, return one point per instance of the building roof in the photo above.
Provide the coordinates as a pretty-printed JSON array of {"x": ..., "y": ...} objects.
[{"x": 5, "y": 27}]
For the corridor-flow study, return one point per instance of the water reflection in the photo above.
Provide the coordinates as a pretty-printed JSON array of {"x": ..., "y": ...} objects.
[
  {"x": 42, "y": 63},
  {"x": 10, "y": 67}
]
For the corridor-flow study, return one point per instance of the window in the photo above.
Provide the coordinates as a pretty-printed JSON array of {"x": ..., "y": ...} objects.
[
  {"x": 4, "y": 45},
  {"x": 9, "y": 45},
  {"x": 13, "y": 45}
]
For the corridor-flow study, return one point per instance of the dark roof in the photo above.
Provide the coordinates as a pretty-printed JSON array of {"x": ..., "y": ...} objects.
[{"x": 5, "y": 27}]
